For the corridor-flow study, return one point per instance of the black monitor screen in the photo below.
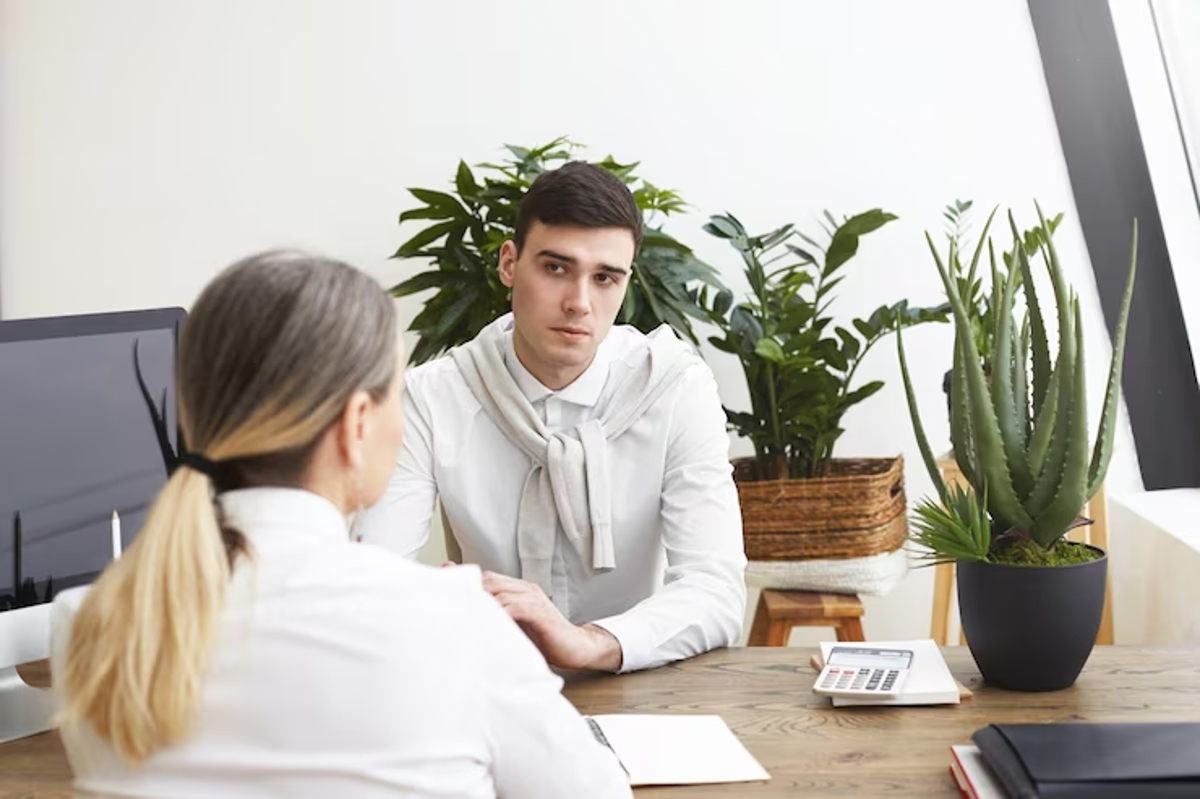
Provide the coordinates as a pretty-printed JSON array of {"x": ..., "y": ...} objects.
[{"x": 78, "y": 440}]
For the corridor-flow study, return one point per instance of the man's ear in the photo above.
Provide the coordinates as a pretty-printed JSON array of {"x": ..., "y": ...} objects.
[
  {"x": 352, "y": 428},
  {"x": 508, "y": 262}
]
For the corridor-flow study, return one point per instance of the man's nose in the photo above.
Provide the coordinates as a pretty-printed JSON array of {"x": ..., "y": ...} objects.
[{"x": 577, "y": 301}]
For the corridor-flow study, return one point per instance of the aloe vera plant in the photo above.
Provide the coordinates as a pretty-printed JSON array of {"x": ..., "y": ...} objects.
[{"x": 1020, "y": 434}]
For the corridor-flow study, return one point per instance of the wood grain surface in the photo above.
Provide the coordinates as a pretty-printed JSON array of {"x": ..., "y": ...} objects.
[{"x": 809, "y": 748}]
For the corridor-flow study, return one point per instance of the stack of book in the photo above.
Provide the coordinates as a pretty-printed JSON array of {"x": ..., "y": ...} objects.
[
  {"x": 972, "y": 774},
  {"x": 1100, "y": 761}
]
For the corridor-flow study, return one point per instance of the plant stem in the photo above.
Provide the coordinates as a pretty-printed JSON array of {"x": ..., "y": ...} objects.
[{"x": 774, "y": 411}]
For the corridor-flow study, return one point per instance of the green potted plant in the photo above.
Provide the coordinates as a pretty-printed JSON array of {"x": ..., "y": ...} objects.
[
  {"x": 799, "y": 502},
  {"x": 977, "y": 298},
  {"x": 1030, "y": 601},
  {"x": 467, "y": 226}
]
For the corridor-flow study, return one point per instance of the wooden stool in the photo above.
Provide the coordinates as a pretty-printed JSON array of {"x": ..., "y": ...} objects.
[{"x": 779, "y": 611}]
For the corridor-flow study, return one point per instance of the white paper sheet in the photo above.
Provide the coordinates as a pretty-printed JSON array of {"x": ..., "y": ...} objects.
[{"x": 679, "y": 749}]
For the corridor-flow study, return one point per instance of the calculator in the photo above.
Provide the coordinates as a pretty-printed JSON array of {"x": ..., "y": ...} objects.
[{"x": 861, "y": 672}]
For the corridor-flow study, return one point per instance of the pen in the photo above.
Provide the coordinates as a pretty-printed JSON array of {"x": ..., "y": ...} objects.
[{"x": 116, "y": 536}]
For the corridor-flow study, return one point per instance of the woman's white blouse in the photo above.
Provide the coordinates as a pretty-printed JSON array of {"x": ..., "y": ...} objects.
[{"x": 343, "y": 670}]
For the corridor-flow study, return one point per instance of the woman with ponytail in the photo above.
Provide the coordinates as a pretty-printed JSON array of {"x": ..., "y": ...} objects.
[{"x": 244, "y": 646}]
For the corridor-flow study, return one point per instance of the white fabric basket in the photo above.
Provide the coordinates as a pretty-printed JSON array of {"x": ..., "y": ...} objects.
[{"x": 874, "y": 575}]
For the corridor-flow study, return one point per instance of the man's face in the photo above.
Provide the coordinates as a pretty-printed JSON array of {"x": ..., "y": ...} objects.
[{"x": 567, "y": 286}]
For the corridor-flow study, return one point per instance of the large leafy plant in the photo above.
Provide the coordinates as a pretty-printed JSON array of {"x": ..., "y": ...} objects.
[
  {"x": 466, "y": 228},
  {"x": 1020, "y": 434},
  {"x": 799, "y": 365}
]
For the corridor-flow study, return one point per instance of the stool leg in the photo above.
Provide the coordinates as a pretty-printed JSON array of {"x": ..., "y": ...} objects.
[
  {"x": 765, "y": 631},
  {"x": 850, "y": 630},
  {"x": 760, "y": 628}
]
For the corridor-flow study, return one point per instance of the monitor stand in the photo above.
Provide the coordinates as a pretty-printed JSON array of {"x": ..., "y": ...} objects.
[{"x": 24, "y": 710}]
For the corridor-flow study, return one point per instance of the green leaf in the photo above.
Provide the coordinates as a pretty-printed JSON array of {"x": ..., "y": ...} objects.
[
  {"x": 837, "y": 360},
  {"x": 1002, "y": 497},
  {"x": 1071, "y": 495},
  {"x": 440, "y": 199},
  {"x": 935, "y": 473},
  {"x": 1102, "y": 453},
  {"x": 850, "y": 344},
  {"x": 769, "y": 348},
  {"x": 841, "y": 250},
  {"x": 1020, "y": 369},
  {"x": 962, "y": 435},
  {"x": 1039, "y": 345},
  {"x": 1003, "y": 394},
  {"x": 426, "y": 212},
  {"x": 861, "y": 393},
  {"x": 956, "y": 529},
  {"x": 795, "y": 319},
  {"x": 803, "y": 255},
  {"x": 412, "y": 247},
  {"x": 724, "y": 227},
  {"x": 742, "y": 321},
  {"x": 425, "y": 280},
  {"x": 722, "y": 302},
  {"x": 983, "y": 236},
  {"x": 464, "y": 181},
  {"x": 724, "y": 345},
  {"x": 1043, "y": 429},
  {"x": 775, "y": 236},
  {"x": 866, "y": 222},
  {"x": 868, "y": 331}
]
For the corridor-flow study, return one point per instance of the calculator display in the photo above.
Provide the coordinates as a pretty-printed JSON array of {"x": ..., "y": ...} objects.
[{"x": 870, "y": 658}]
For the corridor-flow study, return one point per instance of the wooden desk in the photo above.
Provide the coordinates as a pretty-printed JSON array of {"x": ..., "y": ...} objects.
[
  {"x": 766, "y": 697},
  {"x": 812, "y": 749}
]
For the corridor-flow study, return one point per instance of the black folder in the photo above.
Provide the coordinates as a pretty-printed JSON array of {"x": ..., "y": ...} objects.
[{"x": 1102, "y": 761}]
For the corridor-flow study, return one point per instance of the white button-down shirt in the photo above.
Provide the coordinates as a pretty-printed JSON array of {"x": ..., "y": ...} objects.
[
  {"x": 678, "y": 586},
  {"x": 340, "y": 670}
]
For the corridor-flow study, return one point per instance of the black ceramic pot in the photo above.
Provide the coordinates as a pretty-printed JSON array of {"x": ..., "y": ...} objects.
[{"x": 1031, "y": 628}]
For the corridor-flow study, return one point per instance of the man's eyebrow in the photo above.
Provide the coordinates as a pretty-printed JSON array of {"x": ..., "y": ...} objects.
[{"x": 557, "y": 256}]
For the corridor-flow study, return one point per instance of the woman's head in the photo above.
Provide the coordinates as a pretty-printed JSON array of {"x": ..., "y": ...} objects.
[
  {"x": 288, "y": 375},
  {"x": 289, "y": 372}
]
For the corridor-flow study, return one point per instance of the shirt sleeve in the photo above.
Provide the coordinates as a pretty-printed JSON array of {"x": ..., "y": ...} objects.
[
  {"x": 703, "y": 599},
  {"x": 541, "y": 746},
  {"x": 400, "y": 520}
]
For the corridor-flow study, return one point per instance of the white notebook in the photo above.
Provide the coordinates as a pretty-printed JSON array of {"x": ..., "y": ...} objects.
[
  {"x": 677, "y": 750},
  {"x": 929, "y": 679}
]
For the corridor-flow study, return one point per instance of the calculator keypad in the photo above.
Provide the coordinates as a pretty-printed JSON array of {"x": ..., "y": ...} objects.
[{"x": 870, "y": 680}]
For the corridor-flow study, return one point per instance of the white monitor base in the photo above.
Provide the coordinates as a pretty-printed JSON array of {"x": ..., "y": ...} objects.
[{"x": 24, "y": 710}]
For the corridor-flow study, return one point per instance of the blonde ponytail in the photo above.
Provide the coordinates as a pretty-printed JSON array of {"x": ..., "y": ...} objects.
[
  {"x": 162, "y": 600},
  {"x": 272, "y": 351}
]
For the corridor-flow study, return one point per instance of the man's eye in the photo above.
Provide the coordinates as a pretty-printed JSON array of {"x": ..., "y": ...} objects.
[
  {"x": 555, "y": 268},
  {"x": 604, "y": 277}
]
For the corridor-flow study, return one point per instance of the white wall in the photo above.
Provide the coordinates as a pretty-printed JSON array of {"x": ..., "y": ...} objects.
[{"x": 145, "y": 144}]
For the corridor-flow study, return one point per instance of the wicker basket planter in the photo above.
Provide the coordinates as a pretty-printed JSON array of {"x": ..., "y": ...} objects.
[{"x": 858, "y": 510}]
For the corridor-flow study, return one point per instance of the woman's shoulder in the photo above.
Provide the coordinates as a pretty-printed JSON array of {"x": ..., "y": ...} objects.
[{"x": 395, "y": 579}]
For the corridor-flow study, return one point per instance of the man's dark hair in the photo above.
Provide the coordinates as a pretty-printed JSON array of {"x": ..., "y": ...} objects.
[{"x": 579, "y": 194}]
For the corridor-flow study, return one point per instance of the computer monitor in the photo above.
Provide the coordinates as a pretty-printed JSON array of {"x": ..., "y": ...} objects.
[{"x": 87, "y": 428}]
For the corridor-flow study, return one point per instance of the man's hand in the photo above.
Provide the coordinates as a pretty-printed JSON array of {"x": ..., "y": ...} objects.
[{"x": 562, "y": 643}]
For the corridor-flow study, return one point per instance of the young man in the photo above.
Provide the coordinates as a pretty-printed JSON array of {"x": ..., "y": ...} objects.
[{"x": 584, "y": 467}]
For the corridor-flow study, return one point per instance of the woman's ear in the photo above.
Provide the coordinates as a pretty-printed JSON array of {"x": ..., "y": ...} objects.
[{"x": 352, "y": 429}]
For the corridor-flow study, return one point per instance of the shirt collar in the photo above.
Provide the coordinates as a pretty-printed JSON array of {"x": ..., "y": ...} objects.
[
  {"x": 285, "y": 515},
  {"x": 585, "y": 390}
]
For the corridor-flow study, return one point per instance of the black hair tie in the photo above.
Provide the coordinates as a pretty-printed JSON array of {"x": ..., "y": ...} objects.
[{"x": 199, "y": 463}]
